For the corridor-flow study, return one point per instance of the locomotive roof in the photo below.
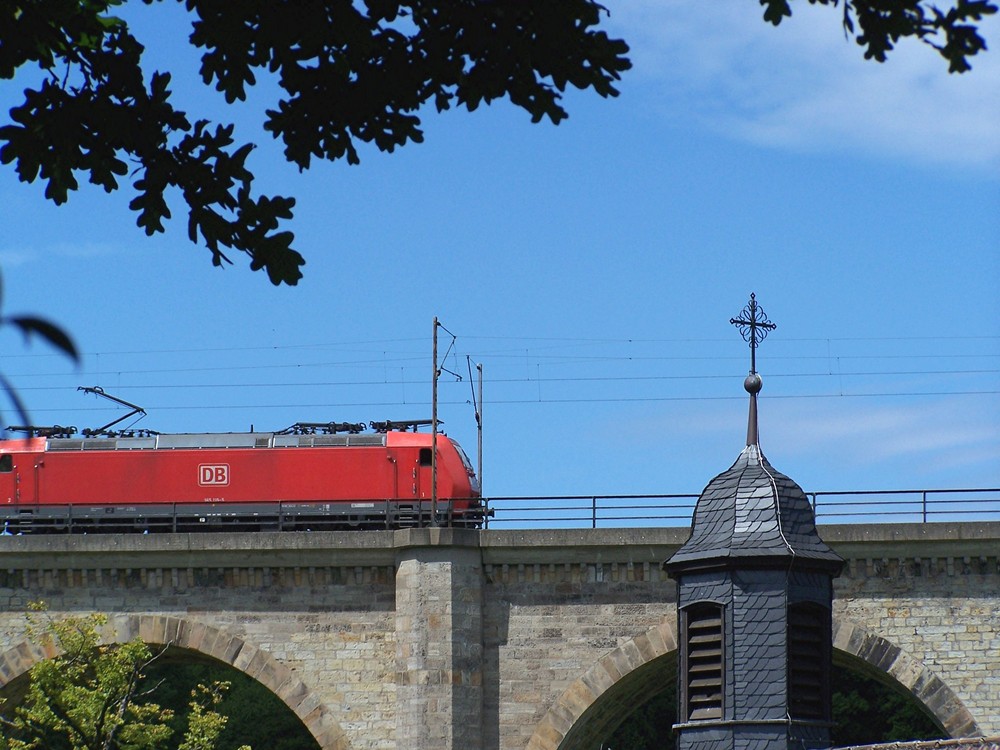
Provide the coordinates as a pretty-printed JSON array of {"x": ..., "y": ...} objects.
[{"x": 214, "y": 440}]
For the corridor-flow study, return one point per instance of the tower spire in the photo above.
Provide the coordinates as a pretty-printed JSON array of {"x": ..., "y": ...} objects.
[{"x": 754, "y": 327}]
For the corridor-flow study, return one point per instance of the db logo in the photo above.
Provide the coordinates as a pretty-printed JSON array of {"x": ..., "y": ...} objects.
[{"x": 213, "y": 474}]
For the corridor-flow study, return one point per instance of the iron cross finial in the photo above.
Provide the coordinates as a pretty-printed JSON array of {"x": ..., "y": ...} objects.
[{"x": 754, "y": 327}]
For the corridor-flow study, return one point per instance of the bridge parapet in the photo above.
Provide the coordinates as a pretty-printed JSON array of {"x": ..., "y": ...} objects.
[{"x": 536, "y": 546}]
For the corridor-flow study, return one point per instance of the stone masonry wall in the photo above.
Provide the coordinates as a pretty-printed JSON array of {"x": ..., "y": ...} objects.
[
  {"x": 546, "y": 624},
  {"x": 944, "y": 612},
  {"x": 333, "y": 627},
  {"x": 497, "y": 640}
]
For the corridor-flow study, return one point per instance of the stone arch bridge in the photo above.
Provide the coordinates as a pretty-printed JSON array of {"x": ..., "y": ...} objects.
[{"x": 440, "y": 639}]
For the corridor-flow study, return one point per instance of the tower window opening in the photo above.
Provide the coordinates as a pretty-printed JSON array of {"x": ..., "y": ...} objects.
[
  {"x": 808, "y": 660},
  {"x": 703, "y": 673}
]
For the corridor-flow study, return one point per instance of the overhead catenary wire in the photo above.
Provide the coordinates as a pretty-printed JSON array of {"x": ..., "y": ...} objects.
[
  {"x": 380, "y": 344},
  {"x": 546, "y": 379},
  {"x": 542, "y": 401},
  {"x": 621, "y": 376}
]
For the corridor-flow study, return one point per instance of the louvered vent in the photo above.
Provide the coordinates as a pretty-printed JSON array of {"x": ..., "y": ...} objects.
[
  {"x": 317, "y": 440},
  {"x": 366, "y": 439},
  {"x": 703, "y": 674},
  {"x": 808, "y": 639},
  {"x": 64, "y": 445}
]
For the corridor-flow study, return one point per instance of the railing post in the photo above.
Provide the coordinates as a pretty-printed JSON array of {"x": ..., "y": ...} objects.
[
  {"x": 593, "y": 512},
  {"x": 923, "y": 504}
]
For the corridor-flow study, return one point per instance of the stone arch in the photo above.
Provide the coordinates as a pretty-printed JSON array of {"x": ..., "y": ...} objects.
[
  {"x": 616, "y": 679},
  {"x": 210, "y": 641},
  {"x": 883, "y": 659},
  {"x": 591, "y": 705}
]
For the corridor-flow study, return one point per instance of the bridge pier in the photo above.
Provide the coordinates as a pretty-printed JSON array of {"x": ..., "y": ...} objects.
[{"x": 439, "y": 636}]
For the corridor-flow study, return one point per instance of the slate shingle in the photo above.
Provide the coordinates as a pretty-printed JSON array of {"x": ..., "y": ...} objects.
[{"x": 752, "y": 510}]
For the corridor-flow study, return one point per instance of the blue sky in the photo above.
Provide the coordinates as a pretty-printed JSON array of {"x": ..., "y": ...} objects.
[{"x": 592, "y": 268}]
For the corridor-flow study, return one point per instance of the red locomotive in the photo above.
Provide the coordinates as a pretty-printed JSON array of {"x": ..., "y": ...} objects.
[{"x": 310, "y": 476}]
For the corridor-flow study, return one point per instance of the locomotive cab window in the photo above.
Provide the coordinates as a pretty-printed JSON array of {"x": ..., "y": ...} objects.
[
  {"x": 425, "y": 456},
  {"x": 6, "y": 463}
]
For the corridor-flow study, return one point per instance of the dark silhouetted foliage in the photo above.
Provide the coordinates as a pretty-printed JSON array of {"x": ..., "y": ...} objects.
[
  {"x": 348, "y": 72},
  {"x": 864, "y": 711},
  {"x": 878, "y": 26},
  {"x": 256, "y": 717}
]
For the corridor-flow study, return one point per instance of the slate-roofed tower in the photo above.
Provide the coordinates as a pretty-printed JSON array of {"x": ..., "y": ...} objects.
[{"x": 754, "y": 596}]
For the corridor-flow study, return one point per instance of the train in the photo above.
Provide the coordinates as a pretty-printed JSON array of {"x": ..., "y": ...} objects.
[{"x": 311, "y": 476}]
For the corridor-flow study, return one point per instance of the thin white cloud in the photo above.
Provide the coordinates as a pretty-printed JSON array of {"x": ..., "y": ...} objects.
[
  {"x": 840, "y": 443},
  {"x": 948, "y": 433},
  {"x": 12, "y": 257},
  {"x": 85, "y": 249},
  {"x": 803, "y": 86}
]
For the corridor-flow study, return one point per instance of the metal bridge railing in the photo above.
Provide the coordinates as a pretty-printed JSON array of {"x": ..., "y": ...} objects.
[{"x": 615, "y": 511}]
